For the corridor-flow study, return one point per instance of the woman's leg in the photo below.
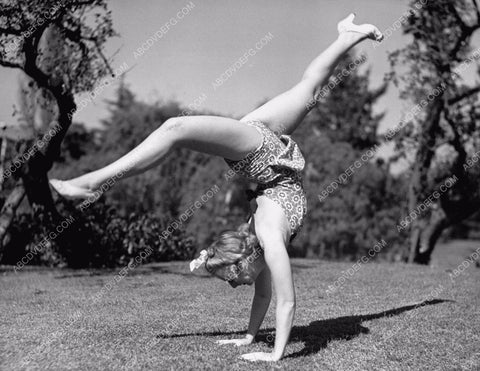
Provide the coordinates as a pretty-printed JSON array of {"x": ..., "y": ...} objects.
[
  {"x": 217, "y": 136},
  {"x": 285, "y": 112}
]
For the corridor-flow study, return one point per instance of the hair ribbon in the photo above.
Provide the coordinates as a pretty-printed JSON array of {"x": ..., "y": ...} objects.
[{"x": 196, "y": 263}]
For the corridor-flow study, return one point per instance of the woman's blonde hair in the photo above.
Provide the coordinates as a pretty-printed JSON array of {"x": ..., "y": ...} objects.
[{"x": 227, "y": 254}]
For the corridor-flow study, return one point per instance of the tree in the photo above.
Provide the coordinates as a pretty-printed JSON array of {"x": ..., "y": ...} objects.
[
  {"x": 441, "y": 133},
  {"x": 26, "y": 28}
]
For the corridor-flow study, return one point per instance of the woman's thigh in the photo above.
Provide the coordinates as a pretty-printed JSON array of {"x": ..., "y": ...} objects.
[
  {"x": 284, "y": 113},
  {"x": 218, "y": 136}
]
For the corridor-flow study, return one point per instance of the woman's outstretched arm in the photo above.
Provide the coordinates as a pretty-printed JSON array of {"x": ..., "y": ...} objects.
[
  {"x": 278, "y": 261},
  {"x": 260, "y": 304},
  {"x": 273, "y": 233}
]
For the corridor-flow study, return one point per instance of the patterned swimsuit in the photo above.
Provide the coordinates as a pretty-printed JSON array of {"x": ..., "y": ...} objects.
[{"x": 276, "y": 167}]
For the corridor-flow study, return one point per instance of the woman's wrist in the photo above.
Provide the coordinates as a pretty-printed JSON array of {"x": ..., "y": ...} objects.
[
  {"x": 277, "y": 353},
  {"x": 276, "y": 357},
  {"x": 250, "y": 337}
]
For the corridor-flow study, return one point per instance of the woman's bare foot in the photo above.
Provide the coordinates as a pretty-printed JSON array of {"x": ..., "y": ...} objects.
[
  {"x": 368, "y": 30},
  {"x": 70, "y": 191}
]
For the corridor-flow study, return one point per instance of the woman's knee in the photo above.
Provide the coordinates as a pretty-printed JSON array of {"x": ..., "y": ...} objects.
[
  {"x": 308, "y": 88},
  {"x": 173, "y": 124},
  {"x": 173, "y": 129}
]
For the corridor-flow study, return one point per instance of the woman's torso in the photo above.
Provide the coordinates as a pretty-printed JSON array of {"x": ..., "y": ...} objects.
[{"x": 276, "y": 166}]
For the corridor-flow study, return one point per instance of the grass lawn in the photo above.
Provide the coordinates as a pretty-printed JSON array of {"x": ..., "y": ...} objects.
[{"x": 161, "y": 317}]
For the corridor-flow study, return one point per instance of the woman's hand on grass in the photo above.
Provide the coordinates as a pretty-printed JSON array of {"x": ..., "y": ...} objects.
[
  {"x": 238, "y": 342},
  {"x": 260, "y": 356}
]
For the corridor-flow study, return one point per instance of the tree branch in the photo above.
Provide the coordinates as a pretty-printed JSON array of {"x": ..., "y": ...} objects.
[
  {"x": 10, "y": 31},
  {"x": 74, "y": 36},
  {"x": 30, "y": 48},
  {"x": 83, "y": 3},
  {"x": 466, "y": 30},
  {"x": 464, "y": 95},
  {"x": 456, "y": 142},
  {"x": 10, "y": 64},
  {"x": 477, "y": 10},
  {"x": 99, "y": 51},
  {"x": 457, "y": 16},
  {"x": 77, "y": 37},
  {"x": 466, "y": 33}
]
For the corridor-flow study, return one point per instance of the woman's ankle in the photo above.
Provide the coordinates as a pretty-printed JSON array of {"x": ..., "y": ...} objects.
[
  {"x": 82, "y": 182},
  {"x": 350, "y": 39}
]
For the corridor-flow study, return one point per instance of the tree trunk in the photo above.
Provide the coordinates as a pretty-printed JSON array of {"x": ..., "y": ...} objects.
[
  {"x": 429, "y": 229},
  {"x": 8, "y": 211},
  {"x": 34, "y": 171},
  {"x": 426, "y": 235},
  {"x": 35, "y": 181},
  {"x": 3, "y": 151},
  {"x": 419, "y": 179}
]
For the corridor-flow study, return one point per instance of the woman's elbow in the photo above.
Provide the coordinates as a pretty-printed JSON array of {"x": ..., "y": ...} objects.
[
  {"x": 287, "y": 303},
  {"x": 264, "y": 296}
]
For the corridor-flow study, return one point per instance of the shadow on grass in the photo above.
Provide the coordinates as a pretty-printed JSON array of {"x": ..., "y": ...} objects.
[{"x": 319, "y": 333}]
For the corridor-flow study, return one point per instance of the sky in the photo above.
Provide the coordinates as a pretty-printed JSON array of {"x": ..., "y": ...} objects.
[{"x": 183, "y": 62}]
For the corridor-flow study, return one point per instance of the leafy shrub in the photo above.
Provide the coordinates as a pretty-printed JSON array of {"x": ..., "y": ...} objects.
[{"x": 95, "y": 237}]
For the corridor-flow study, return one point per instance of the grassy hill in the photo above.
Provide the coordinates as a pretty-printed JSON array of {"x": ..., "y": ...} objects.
[{"x": 384, "y": 317}]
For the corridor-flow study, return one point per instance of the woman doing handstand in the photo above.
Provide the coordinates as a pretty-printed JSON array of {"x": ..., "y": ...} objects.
[{"x": 258, "y": 147}]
